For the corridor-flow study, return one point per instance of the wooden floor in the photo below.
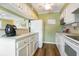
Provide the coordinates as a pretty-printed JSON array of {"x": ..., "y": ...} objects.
[{"x": 47, "y": 50}]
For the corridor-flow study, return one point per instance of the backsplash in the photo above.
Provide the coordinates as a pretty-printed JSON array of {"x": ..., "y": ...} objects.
[
  {"x": 2, "y": 32},
  {"x": 72, "y": 29},
  {"x": 22, "y": 31},
  {"x": 18, "y": 31}
]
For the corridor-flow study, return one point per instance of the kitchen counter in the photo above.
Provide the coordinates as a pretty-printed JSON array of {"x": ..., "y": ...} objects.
[
  {"x": 70, "y": 34},
  {"x": 17, "y": 36},
  {"x": 19, "y": 45}
]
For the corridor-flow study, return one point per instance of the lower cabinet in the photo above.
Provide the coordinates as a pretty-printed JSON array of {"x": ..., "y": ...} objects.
[
  {"x": 27, "y": 46},
  {"x": 24, "y": 45},
  {"x": 31, "y": 48},
  {"x": 23, "y": 51},
  {"x": 60, "y": 39}
]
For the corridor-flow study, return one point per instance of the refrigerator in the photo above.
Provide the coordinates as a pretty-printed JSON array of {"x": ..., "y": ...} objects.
[{"x": 36, "y": 26}]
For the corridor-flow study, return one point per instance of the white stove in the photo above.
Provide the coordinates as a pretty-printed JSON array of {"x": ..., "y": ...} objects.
[{"x": 71, "y": 47}]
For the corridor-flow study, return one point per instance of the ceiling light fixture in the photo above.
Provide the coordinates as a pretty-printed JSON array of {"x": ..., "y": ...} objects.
[{"x": 48, "y": 6}]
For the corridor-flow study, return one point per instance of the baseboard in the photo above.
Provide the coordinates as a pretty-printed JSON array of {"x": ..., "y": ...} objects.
[{"x": 50, "y": 42}]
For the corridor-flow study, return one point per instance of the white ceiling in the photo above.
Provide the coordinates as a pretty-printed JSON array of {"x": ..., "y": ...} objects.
[{"x": 54, "y": 8}]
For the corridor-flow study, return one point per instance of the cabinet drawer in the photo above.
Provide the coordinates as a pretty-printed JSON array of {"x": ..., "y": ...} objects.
[{"x": 22, "y": 42}]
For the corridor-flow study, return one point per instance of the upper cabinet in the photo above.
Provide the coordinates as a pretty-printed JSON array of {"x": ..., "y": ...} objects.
[
  {"x": 19, "y": 9},
  {"x": 26, "y": 10},
  {"x": 9, "y": 18},
  {"x": 68, "y": 15}
]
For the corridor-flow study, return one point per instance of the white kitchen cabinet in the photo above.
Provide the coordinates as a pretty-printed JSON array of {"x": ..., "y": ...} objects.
[
  {"x": 67, "y": 13},
  {"x": 69, "y": 18},
  {"x": 12, "y": 7},
  {"x": 19, "y": 8},
  {"x": 23, "y": 51},
  {"x": 57, "y": 40},
  {"x": 33, "y": 45},
  {"x": 62, "y": 43},
  {"x": 28, "y": 46},
  {"x": 7, "y": 47},
  {"x": 24, "y": 9},
  {"x": 71, "y": 7},
  {"x": 31, "y": 48},
  {"x": 23, "y": 45},
  {"x": 60, "y": 39}
]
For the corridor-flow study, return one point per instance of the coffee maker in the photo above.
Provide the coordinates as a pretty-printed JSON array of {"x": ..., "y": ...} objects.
[{"x": 10, "y": 30}]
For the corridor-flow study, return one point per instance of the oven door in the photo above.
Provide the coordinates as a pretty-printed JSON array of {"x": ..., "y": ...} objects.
[{"x": 71, "y": 48}]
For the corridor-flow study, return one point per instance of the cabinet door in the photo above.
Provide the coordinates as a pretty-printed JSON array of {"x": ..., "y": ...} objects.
[
  {"x": 36, "y": 45},
  {"x": 69, "y": 18},
  {"x": 60, "y": 39},
  {"x": 57, "y": 41},
  {"x": 23, "y": 51},
  {"x": 62, "y": 42},
  {"x": 33, "y": 44},
  {"x": 30, "y": 48}
]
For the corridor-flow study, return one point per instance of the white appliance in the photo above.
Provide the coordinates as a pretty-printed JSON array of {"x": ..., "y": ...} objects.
[
  {"x": 37, "y": 26},
  {"x": 71, "y": 47}
]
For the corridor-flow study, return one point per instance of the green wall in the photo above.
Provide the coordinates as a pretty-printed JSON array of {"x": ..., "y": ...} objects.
[
  {"x": 6, "y": 21},
  {"x": 50, "y": 30}
]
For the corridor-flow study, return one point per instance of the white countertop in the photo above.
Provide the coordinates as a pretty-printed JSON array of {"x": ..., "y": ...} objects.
[
  {"x": 17, "y": 37},
  {"x": 71, "y": 34}
]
